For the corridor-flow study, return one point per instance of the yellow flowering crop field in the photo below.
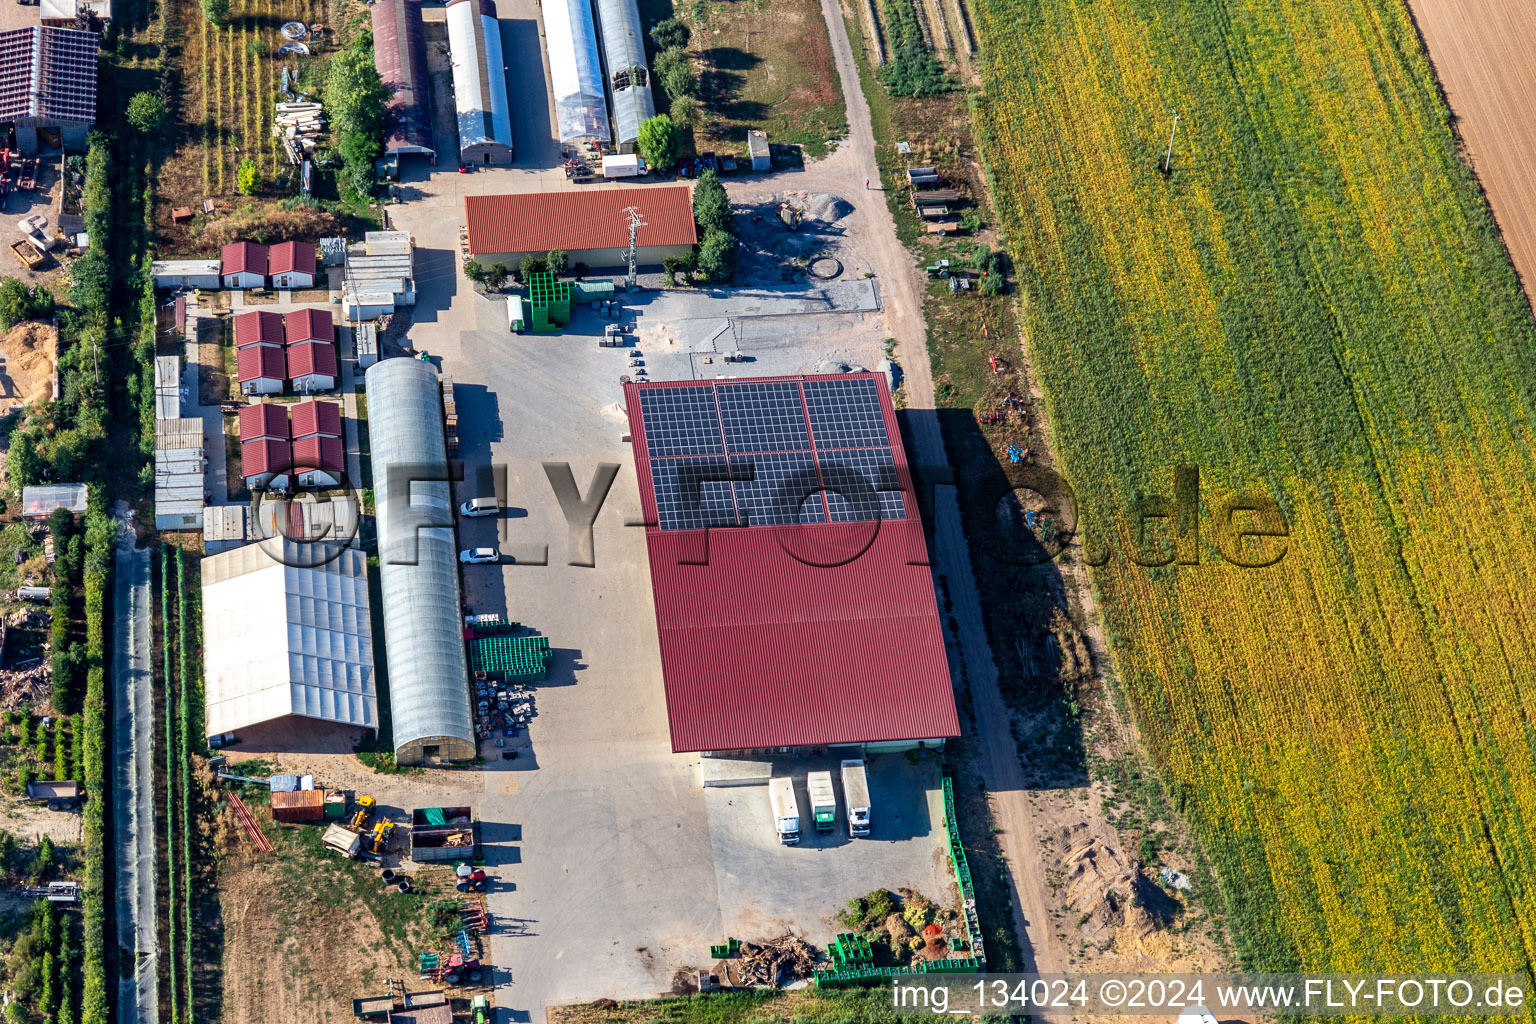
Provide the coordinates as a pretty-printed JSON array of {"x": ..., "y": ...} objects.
[{"x": 1314, "y": 306}]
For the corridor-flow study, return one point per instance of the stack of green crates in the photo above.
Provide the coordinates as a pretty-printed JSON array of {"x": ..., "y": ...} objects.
[
  {"x": 850, "y": 950},
  {"x": 550, "y": 301},
  {"x": 496, "y": 627},
  {"x": 515, "y": 658}
]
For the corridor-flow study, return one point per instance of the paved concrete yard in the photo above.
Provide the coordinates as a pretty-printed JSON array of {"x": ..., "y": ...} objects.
[
  {"x": 617, "y": 868},
  {"x": 766, "y": 887},
  {"x": 623, "y": 868}
]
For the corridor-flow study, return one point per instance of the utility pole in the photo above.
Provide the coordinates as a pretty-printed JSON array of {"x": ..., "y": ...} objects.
[
  {"x": 635, "y": 224},
  {"x": 1168, "y": 160}
]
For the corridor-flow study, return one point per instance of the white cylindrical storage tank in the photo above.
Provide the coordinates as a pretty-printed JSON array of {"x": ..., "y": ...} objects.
[{"x": 428, "y": 677}]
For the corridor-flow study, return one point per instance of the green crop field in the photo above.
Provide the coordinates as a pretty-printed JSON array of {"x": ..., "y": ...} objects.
[{"x": 1314, "y": 306}]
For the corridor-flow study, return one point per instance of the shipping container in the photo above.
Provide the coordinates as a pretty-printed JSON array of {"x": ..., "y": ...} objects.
[{"x": 299, "y": 805}]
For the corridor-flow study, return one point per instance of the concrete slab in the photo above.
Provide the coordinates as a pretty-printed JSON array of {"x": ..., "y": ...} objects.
[{"x": 767, "y": 888}]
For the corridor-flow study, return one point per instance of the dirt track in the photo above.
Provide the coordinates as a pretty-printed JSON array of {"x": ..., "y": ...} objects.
[{"x": 1485, "y": 56}]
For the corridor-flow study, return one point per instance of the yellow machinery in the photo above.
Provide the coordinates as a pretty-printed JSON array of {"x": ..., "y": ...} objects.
[
  {"x": 365, "y": 806},
  {"x": 381, "y": 835}
]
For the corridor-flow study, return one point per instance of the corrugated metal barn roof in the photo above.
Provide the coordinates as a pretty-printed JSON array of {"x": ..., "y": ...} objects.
[
  {"x": 837, "y": 643},
  {"x": 400, "y": 54},
  {"x": 593, "y": 219}
]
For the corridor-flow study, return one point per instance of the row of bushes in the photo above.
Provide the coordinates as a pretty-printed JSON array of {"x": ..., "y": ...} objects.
[
  {"x": 716, "y": 258},
  {"x": 40, "y": 967},
  {"x": 100, "y": 536}
]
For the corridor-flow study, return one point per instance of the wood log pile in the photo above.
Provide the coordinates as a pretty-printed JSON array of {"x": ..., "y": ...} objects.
[
  {"x": 299, "y": 127},
  {"x": 786, "y": 958},
  {"x": 23, "y": 687}
]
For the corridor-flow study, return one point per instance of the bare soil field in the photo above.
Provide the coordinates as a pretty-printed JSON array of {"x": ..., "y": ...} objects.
[
  {"x": 302, "y": 931},
  {"x": 1485, "y": 57}
]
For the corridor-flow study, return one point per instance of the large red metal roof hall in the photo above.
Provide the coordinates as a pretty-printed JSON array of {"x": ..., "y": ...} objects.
[{"x": 819, "y": 632}]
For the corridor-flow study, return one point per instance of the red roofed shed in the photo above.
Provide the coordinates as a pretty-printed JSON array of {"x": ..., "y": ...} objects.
[
  {"x": 260, "y": 369},
  {"x": 312, "y": 366},
  {"x": 318, "y": 452},
  {"x": 309, "y": 325},
  {"x": 591, "y": 225},
  {"x": 292, "y": 264},
  {"x": 243, "y": 265},
  {"x": 315, "y": 418},
  {"x": 781, "y": 633},
  {"x": 265, "y": 458},
  {"x": 265, "y": 419},
  {"x": 259, "y": 327}
]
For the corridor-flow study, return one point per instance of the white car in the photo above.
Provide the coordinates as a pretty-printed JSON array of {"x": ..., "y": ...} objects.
[
  {"x": 480, "y": 507},
  {"x": 475, "y": 556}
]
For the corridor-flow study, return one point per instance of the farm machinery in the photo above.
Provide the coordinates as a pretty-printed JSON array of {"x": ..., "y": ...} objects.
[{"x": 365, "y": 806}]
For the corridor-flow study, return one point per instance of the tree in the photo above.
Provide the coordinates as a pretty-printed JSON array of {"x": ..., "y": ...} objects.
[
  {"x": 717, "y": 256},
  {"x": 146, "y": 112},
  {"x": 711, "y": 206},
  {"x": 674, "y": 71},
  {"x": 16, "y": 302},
  {"x": 355, "y": 97},
  {"x": 362, "y": 177},
  {"x": 15, "y": 1013},
  {"x": 42, "y": 867},
  {"x": 248, "y": 179},
  {"x": 355, "y": 102},
  {"x": 474, "y": 271},
  {"x": 216, "y": 11},
  {"x": 532, "y": 264},
  {"x": 686, "y": 112},
  {"x": 555, "y": 261},
  {"x": 670, "y": 32},
  {"x": 659, "y": 143},
  {"x": 680, "y": 80},
  {"x": 496, "y": 275},
  {"x": 670, "y": 265},
  {"x": 23, "y": 466}
]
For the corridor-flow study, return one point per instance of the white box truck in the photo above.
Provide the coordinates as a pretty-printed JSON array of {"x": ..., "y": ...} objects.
[
  {"x": 626, "y": 166},
  {"x": 786, "y": 810},
  {"x": 856, "y": 792},
  {"x": 823, "y": 800}
]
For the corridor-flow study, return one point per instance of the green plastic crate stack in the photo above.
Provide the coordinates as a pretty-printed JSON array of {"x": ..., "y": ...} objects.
[
  {"x": 498, "y": 627},
  {"x": 516, "y": 658},
  {"x": 850, "y": 950},
  {"x": 550, "y": 301},
  {"x": 962, "y": 874}
]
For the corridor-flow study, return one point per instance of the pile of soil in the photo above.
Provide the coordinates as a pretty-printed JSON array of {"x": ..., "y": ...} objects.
[{"x": 31, "y": 349}]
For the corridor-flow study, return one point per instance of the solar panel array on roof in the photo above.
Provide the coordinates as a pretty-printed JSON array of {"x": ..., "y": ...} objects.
[{"x": 769, "y": 452}]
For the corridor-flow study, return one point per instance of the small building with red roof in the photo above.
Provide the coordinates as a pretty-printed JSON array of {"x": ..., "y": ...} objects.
[
  {"x": 260, "y": 369},
  {"x": 243, "y": 265},
  {"x": 312, "y": 366},
  {"x": 259, "y": 327},
  {"x": 263, "y": 460},
  {"x": 263, "y": 420},
  {"x": 308, "y": 419},
  {"x": 308, "y": 325},
  {"x": 292, "y": 264},
  {"x": 319, "y": 461}
]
